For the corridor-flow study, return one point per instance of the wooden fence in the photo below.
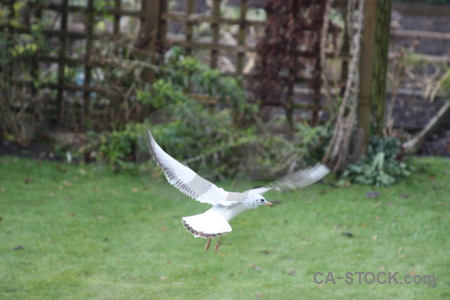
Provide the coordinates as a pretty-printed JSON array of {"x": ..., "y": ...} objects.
[{"x": 201, "y": 29}]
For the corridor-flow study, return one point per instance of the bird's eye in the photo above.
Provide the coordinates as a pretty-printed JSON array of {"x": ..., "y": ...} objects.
[{"x": 262, "y": 200}]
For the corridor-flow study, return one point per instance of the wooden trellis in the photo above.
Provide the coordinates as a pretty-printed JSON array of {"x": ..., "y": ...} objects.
[
  {"x": 153, "y": 17},
  {"x": 156, "y": 19}
]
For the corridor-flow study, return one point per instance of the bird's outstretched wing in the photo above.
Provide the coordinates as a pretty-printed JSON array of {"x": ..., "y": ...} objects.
[
  {"x": 295, "y": 180},
  {"x": 183, "y": 178}
]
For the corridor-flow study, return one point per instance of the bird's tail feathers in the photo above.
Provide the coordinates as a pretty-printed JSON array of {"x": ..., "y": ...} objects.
[{"x": 206, "y": 225}]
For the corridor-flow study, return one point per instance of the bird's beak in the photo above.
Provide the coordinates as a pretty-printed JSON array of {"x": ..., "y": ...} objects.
[{"x": 269, "y": 204}]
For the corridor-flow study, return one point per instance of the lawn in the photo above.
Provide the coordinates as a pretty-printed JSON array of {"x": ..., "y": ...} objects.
[{"x": 81, "y": 232}]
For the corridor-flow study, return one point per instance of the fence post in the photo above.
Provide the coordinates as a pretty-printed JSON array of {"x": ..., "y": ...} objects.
[
  {"x": 149, "y": 34},
  {"x": 189, "y": 34},
  {"x": 242, "y": 35},
  {"x": 62, "y": 59},
  {"x": 87, "y": 60},
  {"x": 373, "y": 66},
  {"x": 215, "y": 30}
]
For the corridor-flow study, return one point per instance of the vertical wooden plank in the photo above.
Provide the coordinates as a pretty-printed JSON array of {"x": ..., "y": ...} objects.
[
  {"x": 189, "y": 34},
  {"x": 87, "y": 57},
  {"x": 381, "y": 58},
  {"x": 34, "y": 10},
  {"x": 163, "y": 26},
  {"x": 9, "y": 36},
  {"x": 366, "y": 70},
  {"x": 289, "y": 106},
  {"x": 317, "y": 16},
  {"x": 242, "y": 35},
  {"x": 26, "y": 17},
  {"x": 148, "y": 35},
  {"x": 215, "y": 29},
  {"x": 345, "y": 52},
  {"x": 116, "y": 26},
  {"x": 62, "y": 58}
]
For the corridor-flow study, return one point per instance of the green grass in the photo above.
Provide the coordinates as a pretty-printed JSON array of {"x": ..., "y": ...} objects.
[{"x": 90, "y": 234}]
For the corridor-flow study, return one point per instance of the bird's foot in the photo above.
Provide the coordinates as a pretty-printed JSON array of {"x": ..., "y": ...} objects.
[
  {"x": 218, "y": 245},
  {"x": 207, "y": 244}
]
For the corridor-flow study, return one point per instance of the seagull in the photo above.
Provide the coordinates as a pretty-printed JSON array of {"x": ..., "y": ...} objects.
[{"x": 225, "y": 205}]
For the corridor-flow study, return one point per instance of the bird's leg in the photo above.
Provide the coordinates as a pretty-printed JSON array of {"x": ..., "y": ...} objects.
[
  {"x": 218, "y": 244},
  {"x": 207, "y": 244}
]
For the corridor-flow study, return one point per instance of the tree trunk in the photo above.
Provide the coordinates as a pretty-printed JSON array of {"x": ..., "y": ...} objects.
[{"x": 373, "y": 68}]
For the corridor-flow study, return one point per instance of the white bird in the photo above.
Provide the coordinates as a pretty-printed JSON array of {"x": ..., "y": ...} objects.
[{"x": 225, "y": 205}]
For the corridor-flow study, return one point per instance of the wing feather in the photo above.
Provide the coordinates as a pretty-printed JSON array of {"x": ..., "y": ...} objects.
[
  {"x": 183, "y": 178},
  {"x": 295, "y": 180}
]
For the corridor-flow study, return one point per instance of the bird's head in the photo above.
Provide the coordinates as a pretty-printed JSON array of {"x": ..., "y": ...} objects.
[{"x": 259, "y": 200}]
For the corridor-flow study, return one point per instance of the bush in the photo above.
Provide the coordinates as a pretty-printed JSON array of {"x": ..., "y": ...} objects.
[
  {"x": 116, "y": 148},
  {"x": 209, "y": 142},
  {"x": 21, "y": 93},
  {"x": 217, "y": 137},
  {"x": 181, "y": 76},
  {"x": 383, "y": 165}
]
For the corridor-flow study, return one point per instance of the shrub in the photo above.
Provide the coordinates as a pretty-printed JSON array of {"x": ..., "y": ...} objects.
[
  {"x": 21, "y": 94},
  {"x": 210, "y": 142},
  {"x": 115, "y": 148},
  {"x": 217, "y": 137},
  {"x": 180, "y": 77},
  {"x": 383, "y": 165}
]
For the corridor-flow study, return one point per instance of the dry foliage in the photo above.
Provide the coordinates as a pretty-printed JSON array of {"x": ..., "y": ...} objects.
[{"x": 290, "y": 52}]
